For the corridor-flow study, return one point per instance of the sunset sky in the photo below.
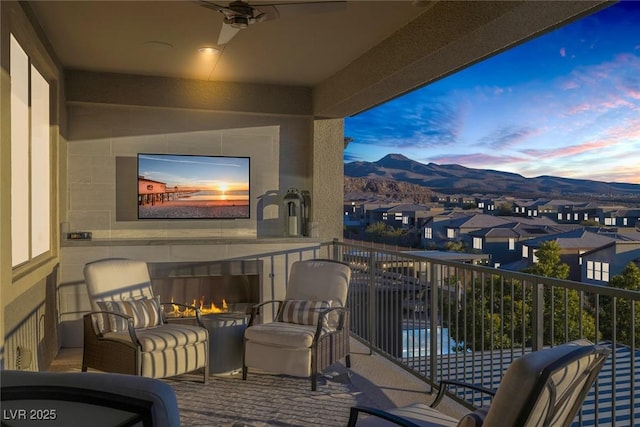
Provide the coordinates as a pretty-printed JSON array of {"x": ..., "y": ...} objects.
[
  {"x": 565, "y": 104},
  {"x": 204, "y": 172}
]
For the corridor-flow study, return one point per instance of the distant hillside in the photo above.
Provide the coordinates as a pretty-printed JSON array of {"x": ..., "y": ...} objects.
[
  {"x": 376, "y": 190},
  {"x": 456, "y": 179}
]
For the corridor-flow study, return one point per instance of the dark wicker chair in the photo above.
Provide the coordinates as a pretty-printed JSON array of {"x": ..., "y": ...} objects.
[
  {"x": 543, "y": 388},
  {"x": 126, "y": 332},
  {"x": 310, "y": 330},
  {"x": 79, "y": 399}
]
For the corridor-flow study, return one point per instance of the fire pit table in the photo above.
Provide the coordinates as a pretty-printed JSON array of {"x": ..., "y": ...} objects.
[{"x": 226, "y": 334}]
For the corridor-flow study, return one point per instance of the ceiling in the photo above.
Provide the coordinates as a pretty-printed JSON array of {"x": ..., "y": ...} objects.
[
  {"x": 354, "y": 56},
  {"x": 161, "y": 38}
]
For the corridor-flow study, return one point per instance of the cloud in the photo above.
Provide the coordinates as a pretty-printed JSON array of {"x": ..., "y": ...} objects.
[
  {"x": 411, "y": 122},
  {"x": 552, "y": 153},
  {"x": 569, "y": 85},
  {"x": 475, "y": 159},
  {"x": 508, "y": 136},
  {"x": 350, "y": 157}
]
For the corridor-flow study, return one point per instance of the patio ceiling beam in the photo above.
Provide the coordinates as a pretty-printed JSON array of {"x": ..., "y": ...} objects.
[{"x": 446, "y": 38}]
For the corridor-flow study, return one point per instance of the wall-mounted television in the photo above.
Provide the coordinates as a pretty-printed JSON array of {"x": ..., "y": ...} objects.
[{"x": 182, "y": 186}]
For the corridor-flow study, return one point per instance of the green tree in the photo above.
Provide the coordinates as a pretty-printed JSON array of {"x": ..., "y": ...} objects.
[
  {"x": 504, "y": 209},
  {"x": 563, "y": 317},
  {"x": 498, "y": 314},
  {"x": 549, "y": 263},
  {"x": 455, "y": 246},
  {"x": 629, "y": 280}
]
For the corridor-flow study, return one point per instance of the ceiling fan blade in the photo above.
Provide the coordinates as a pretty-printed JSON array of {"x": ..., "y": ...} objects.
[
  {"x": 303, "y": 8},
  {"x": 226, "y": 33},
  {"x": 214, "y": 6}
]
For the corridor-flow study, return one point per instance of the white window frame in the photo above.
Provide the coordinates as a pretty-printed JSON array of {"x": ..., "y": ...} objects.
[
  {"x": 428, "y": 233},
  {"x": 512, "y": 243},
  {"x": 31, "y": 167},
  {"x": 477, "y": 243},
  {"x": 451, "y": 233}
]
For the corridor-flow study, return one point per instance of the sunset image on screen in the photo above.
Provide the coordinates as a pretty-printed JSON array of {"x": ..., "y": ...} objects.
[{"x": 188, "y": 186}]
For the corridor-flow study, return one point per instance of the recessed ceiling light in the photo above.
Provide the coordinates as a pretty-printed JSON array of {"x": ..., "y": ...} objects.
[{"x": 209, "y": 50}]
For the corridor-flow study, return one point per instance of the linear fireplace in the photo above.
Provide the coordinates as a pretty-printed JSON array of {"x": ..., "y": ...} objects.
[
  {"x": 227, "y": 285},
  {"x": 225, "y": 291}
]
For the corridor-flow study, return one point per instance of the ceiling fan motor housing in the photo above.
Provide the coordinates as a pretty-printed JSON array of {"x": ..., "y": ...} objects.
[{"x": 237, "y": 21}]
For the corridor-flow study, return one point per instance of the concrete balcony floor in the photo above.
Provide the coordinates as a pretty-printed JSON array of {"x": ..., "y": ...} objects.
[{"x": 269, "y": 400}]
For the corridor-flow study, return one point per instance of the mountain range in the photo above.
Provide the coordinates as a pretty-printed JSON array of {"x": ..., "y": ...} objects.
[{"x": 456, "y": 179}]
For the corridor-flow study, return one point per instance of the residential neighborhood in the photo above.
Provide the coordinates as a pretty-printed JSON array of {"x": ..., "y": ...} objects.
[{"x": 596, "y": 240}]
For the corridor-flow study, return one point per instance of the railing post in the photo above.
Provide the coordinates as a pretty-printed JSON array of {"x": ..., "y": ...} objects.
[
  {"x": 373, "y": 303},
  {"x": 334, "y": 247},
  {"x": 537, "y": 336},
  {"x": 433, "y": 322}
]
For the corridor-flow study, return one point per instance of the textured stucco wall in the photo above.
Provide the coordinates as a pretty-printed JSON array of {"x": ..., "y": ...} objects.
[{"x": 328, "y": 177}]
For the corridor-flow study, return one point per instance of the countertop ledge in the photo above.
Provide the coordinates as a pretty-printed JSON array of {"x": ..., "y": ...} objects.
[{"x": 190, "y": 241}]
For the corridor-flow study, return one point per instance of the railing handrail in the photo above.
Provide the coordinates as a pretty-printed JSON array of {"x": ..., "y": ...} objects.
[{"x": 531, "y": 278}]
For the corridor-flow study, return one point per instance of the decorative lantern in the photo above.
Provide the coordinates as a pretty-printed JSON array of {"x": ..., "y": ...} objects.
[{"x": 293, "y": 212}]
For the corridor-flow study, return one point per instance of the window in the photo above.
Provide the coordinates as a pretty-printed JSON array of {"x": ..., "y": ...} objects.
[
  {"x": 609, "y": 221},
  {"x": 624, "y": 222},
  {"x": 405, "y": 220},
  {"x": 428, "y": 233},
  {"x": 30, "y": 159},
  {"x": 384, "y": 216},
  {"x": 586, "y": 216},
  {"x": 575, "y": 216},
  {"x": 525, "y": 251},
  {"x": 451, "y": 233},
  {"x": 477, "y": 243},
  {"x": 597, "y": 270},
  {"x": 398, "y": 216},
  {"x": 559, "y": 216},
  {"x": 512, "y": 244}
]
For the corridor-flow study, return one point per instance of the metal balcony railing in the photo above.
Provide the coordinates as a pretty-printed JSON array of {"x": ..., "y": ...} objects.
[{"x": 441, "y": 319}]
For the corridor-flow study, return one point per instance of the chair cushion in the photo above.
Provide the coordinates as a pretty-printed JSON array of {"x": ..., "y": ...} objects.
[
  {"x": 319, "y": 280},
  {"x": 519, "y": 382},
  {"x": 146, "y": 313},
  {"x": 302, "y": 312},
  {"x": 164, "y": 336},
  {"x": 281, "y": 334}
]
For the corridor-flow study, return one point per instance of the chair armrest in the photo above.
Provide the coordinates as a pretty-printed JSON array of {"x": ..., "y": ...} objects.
[
  {"x": 353, "y": 416},
  {"x": 191, "y": 307},
  {"x": 255, "y": 309},
  {"x": 444, "y": 385},
  {"x": 129, "y": 319}
]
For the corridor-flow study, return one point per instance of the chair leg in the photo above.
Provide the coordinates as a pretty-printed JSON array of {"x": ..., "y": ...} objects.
[
  {"x": 314, "y": 382},
  {"x": 205, "y": 380},
  {"x": 348, "y": 360},
  {"x": 244, "y": 372}
]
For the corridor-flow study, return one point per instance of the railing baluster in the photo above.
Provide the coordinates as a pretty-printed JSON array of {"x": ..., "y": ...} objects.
[{"x": 458, "y": 301}]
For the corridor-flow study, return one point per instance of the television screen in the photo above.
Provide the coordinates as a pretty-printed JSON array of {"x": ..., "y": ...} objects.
[{"x": 172, "y": 186}]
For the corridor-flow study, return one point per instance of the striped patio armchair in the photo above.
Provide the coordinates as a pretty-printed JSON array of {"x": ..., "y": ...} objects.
[
  {"x": 127, "y": 333},
  {"x": 310, "y": 330}
]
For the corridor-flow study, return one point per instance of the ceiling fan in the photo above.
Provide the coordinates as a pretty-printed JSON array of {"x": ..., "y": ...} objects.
[{"x": 240, "y": 14}]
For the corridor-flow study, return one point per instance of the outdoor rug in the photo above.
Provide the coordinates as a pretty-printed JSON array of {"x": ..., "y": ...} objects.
[{"x": 265, "y": 400}]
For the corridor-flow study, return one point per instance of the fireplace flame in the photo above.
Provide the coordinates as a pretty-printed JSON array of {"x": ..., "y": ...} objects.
[{"x": 178, "y": 311}]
